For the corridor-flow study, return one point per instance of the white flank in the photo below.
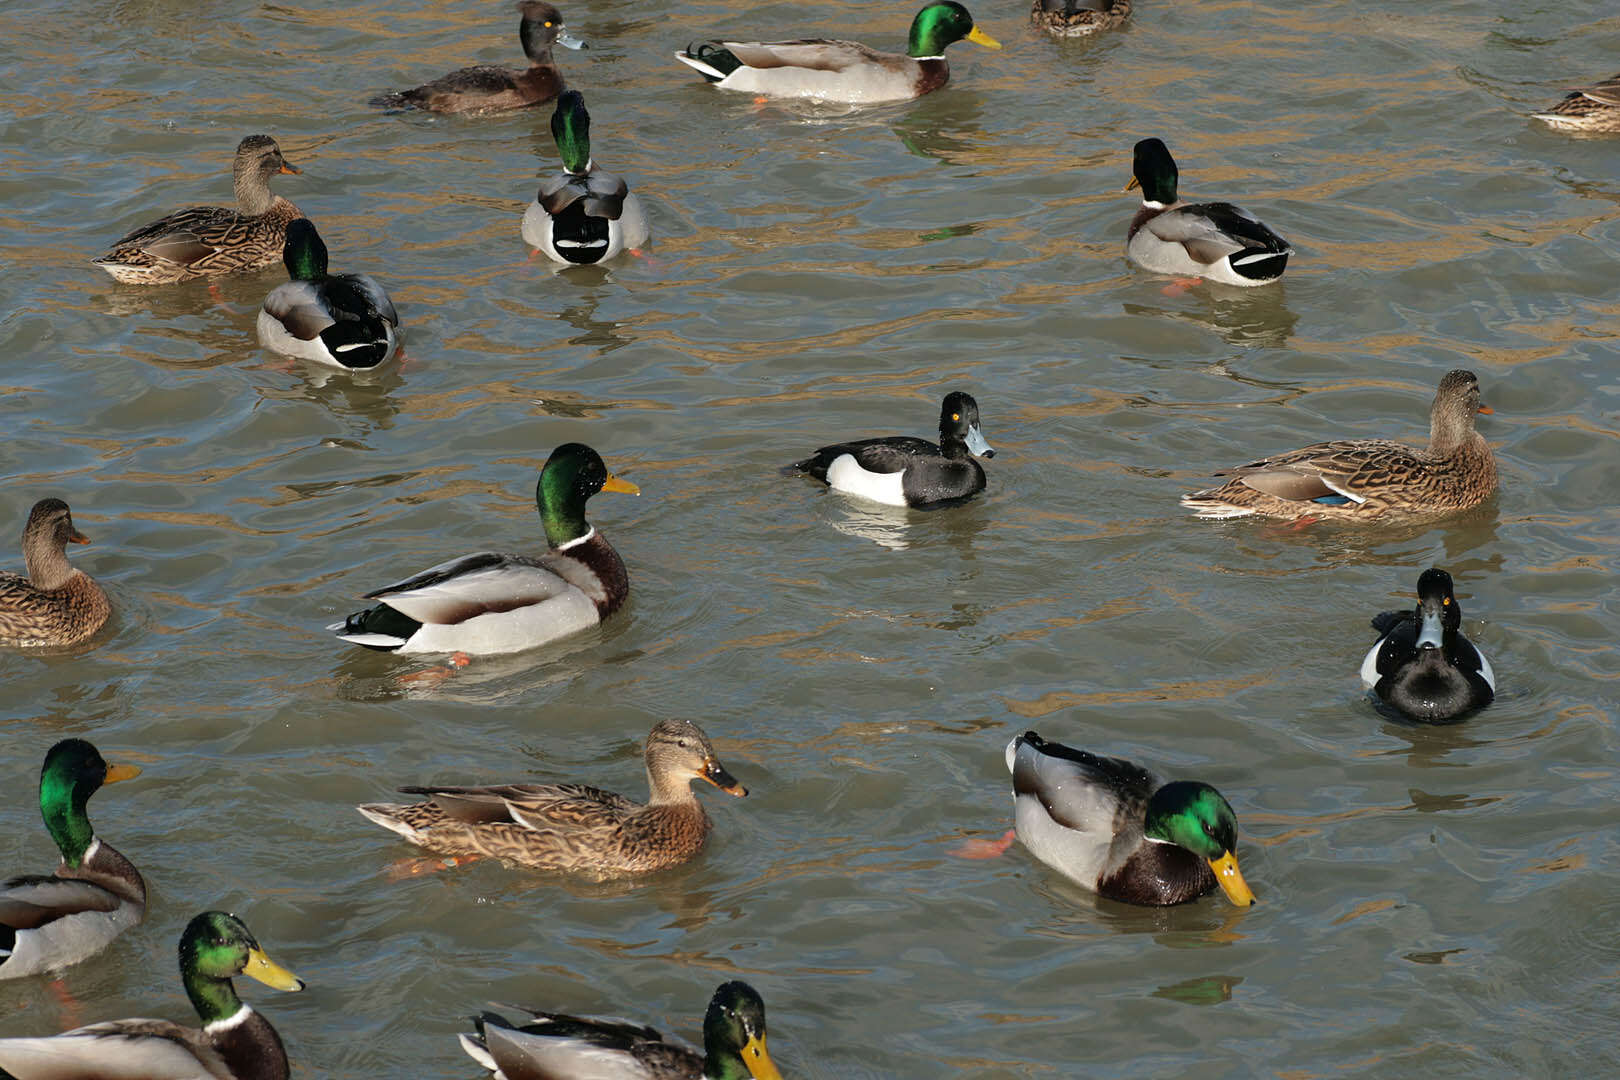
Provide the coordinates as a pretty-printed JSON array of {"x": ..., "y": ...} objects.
[
  {"x": 1369, "y": 664},
  {"x": 845, "y": 474},
  {"x": 1486, "y": 672}
]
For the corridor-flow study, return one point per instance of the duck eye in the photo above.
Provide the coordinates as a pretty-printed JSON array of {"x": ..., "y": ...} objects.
[
  {"x": 548, "y": 25},
  {"x": 1446, "y": 602},
  {"x": 956, "y": 416}
]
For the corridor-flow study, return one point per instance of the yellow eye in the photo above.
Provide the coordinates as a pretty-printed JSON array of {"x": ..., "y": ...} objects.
[
  {"x": 1446, "y": 602},
  {"x": 956, "y": 416},
  {"x": 548, "y": 26}
]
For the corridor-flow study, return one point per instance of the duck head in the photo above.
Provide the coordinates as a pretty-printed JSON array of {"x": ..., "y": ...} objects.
[{"x": 1195, "y": 816}]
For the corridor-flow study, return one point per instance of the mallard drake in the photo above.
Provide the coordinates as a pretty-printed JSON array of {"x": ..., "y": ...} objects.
[
  {"x": 1422, "y": 664},
  {"x": 1074, "y": 18},
  {"x": 1215, "y": 240},
  {"x": 235, "y": 1042},
  {"x": 1369, "y": 479},
  {"x": 1115, "y": 828},
  {"x": 489, "y": 88},
  {"x": 582, "y": 215},
  {"x": 56, "y": 604},
  {"x": 572, "y": 827},
  {"x": 494, "y": 602},
  {"x": 1589, "y": 108},
  {"x": 901, "y": 470},
  {"x": 48, "y": 922},
  {"x": 345, "y": 320},
  {"x": 203, "y": 240},
  {"x": 573, "y": 1047},
  {"x": 845, "y": 71}
]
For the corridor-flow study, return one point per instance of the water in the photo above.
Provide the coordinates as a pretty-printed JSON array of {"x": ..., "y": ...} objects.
[{"x": 1432, "y": 901}]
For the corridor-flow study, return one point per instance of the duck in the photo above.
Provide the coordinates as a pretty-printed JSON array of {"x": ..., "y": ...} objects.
[
  {"x": 56, "y": 603},
  {"x": 343, "y": 320},
  {"x": 1594, "y": 108},
  {"x": 1422, "y": 664},
  {"x": 201, "y": 241},
  {"x": 490, "y": 88},
  {"x": 51, "y": 921},
  {"x": 493, "y": 602},
  {"x": 900, "y": 470},
  {"x": 1215, "y": 240},
  {"x": 1367, "y": 480},
  {"x": 572, "y": 827},
  {"x": 1076, "y": 18},
  {"x": 1117, "y": 829},
  {"x": 582, "y": 215},
  {"x": 841, "y": 71},
  {"x": 234, "y": 1043},
  {"x": 562, "y": 1046}
]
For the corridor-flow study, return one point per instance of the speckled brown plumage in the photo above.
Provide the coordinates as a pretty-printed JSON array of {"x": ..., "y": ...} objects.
[
  {"x": 204, "y": 240},
  {"x": 1375, "y": 479},
  {"x": 1593, "y": 108},
  {"x": 1075, "y": 18},
  {"x": 56, "y": 604},
  {"x": 574, "y": 827}
]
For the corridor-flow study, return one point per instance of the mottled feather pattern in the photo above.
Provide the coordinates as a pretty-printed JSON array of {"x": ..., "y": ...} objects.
[
  {"x": 1593, "y": 108},
  {"x": 199, "y": 241},
  {"x": 64, "y": 616}
]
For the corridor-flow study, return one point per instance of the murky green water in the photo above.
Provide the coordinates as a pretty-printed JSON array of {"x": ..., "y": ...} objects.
[{"x": 1433, "y": 902}]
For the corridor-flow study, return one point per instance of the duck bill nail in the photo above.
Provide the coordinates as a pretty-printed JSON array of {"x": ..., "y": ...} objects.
[
  {"x": 976, "y": 443},
  {"x": 613, "y": 483},
  {"x": 569, "y": 41},
  {"x": 116, "y": 773},
  {"x": 715, "y": 773},
  {"x": 758, "y": 1060},
  {"x": 1432, "y": 634},
  {"x": 267, "y": 971},
  {"x": 78, "y": 537},
  {"x": 1230, "y": 879},
  {"x": 979, "y": 37}
]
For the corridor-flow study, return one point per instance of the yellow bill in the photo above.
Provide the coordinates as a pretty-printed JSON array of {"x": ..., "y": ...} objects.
[
  {"x": 116, "y": 773},
  {"x": 267, "y": 971},
  {"x": 979, "y": 37},
  {"x": 1133, "y": 185},
  {"x": 613, "y": 483},
  {"x": 1230, "y": 879},
  {"x": 758, "y": 1060}
]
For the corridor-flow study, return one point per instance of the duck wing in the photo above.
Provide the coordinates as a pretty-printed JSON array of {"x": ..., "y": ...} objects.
[
  {"x": 1212, "y": 231},
  {"x": 603, "y": 192},
  {"x": 1348, "y": 469},
  {"x": 461, "y": 589},
  {"x": 1606, "y": 92},
  {"x": 1081, "y": 790},
  {"x": 29, "y": 902},
  {"x": 889, "y": 454},
  {"x": 116, "y": 1050},
  {"x": 571, "y": 1048},
  {"x": 813, "y": 54},
  {"x": 531, "y": 805}
]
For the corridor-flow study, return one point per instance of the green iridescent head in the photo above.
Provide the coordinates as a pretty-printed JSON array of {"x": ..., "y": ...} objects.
[
  {"x": 942, "y": 24},
  {"x": 571, "y": 127},
  {"x": 304, "y": 254},
  {"x": 1195, "y": 816},
  {"x": 572, "y": 474},
  {"x": 215, "y": 947},
  {"x": 73, "y": 771},
  {"x": 734, "y": 1035},
  {"x": 1154, "y": 171}
]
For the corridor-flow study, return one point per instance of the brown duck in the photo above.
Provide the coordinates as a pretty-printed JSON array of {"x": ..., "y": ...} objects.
[
  {"x": 203, "y": 240},
  {"x": 1369, "y": 479},
  {"x": 573, "y": 827},
  {"x": 1589, "y": 108},
  {"x": 490, "y": 88},
  {"x": 55, "y": 604}
]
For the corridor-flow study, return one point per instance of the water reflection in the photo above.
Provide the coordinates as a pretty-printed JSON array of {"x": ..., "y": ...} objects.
[
  {"x": 899, "y": 528},
  {"x": 363, "y": 395},
  {"x": 1247, "y": 317}
]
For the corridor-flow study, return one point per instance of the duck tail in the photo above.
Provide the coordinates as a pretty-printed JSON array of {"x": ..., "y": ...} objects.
[{"x": 710, "y": 59}]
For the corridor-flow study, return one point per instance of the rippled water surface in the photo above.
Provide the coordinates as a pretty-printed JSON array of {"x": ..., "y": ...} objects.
[{"x": 1432, "y": 901}]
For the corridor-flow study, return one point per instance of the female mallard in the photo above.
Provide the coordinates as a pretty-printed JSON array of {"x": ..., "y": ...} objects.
[
  {"x": 48, "y": 922},
  {"x": 493, "y": 602},
  {"x": 562, "y": 1046},
  {"x": 1369, "y": 479},
  {"x": 234, "y": 1043},
  {"x": 844, "y": 71},
  {"x": 1589, "y": 108},
  {"x": 904, "y": 471},
  {"x": 1116, "y": 829},
  {"x": 1422, "y": 664},
  {"x": 1216, "y": 240},
  {"x": 345, "y": 320},
  {"x": 203, "y": 240},
  {"x": 583, "y": 215},
  {"x": 572, "y": 827},
  {"x": 55, "y": 604},
  {"x": 1074, "y": 18},
  {"x": 490, "y": 88}
]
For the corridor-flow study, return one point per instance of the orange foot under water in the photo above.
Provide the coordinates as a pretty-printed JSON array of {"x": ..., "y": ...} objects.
[
  {"x": 980, "y": 848},
  {"x": 1181, "y": 285},
  {"x": 72, "y": 1011},
  {"x": 409, "y": 868},
  {"x": 435, "y": 675}
]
